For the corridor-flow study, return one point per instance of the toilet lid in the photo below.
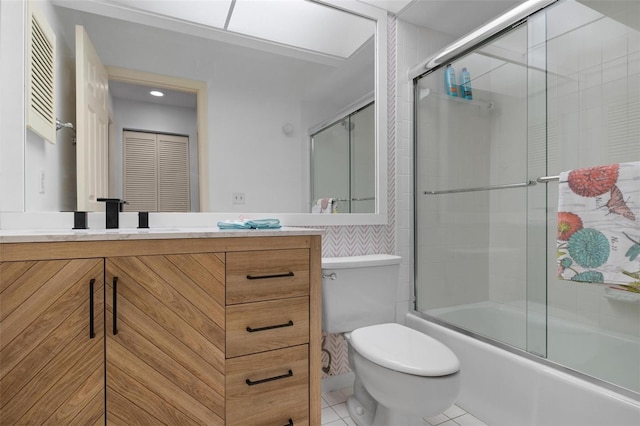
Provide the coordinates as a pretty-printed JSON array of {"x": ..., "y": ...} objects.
[{"x": 404, "y": 349}]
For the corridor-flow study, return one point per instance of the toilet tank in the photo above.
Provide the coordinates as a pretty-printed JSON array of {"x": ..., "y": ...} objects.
[{"x": 358, "y": 291}]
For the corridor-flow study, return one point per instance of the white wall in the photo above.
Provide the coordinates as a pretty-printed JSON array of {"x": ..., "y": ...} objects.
[
  {"x": 12, "y": 116},
  {"x": 248, "y": 150},
  {"x": 154, "y": 118}
]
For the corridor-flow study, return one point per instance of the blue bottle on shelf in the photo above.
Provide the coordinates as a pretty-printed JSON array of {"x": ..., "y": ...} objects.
[
  {"x": 450, "y": 85},
  {"x": 465, "y": 84}
]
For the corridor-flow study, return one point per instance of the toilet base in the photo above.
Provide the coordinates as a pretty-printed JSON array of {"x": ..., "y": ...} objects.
[
  {"x": 366, "y": 411},
  {"x": 360, "y": 415},
  {"x": 361, "y": 405},
  {"x": 380, "y": 416}
]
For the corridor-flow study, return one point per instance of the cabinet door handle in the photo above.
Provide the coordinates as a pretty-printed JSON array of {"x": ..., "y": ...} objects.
[
  {"x": 92, "y": 332},
  {"x": 269, "y": 379},
  {"x": 262, "y": 277},
  {"x": 115, "y": 305},
  {"x": 269, "y": 327},
  {"x": 290, "y": 423}
]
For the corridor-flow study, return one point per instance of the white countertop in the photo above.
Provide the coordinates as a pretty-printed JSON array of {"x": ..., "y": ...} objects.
[{"x": 52, "y": 235}]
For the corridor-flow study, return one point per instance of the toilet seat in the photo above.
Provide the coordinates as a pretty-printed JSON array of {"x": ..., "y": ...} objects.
[{"x": 403, "y": 349}]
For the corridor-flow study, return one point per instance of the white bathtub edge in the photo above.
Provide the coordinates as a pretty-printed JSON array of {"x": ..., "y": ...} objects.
[{"x": 502, "y": 388}]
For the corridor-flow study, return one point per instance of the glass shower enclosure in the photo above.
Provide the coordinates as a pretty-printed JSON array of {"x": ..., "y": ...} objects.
[
  {"x": 558, "y": 91},
  {"x": 343, "y": 162}
]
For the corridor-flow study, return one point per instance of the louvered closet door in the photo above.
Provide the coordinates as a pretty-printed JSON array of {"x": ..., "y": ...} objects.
[
  {"x": 156, "y": 172},
  {"x": 173, "y": 176},
  {"x": 165, "y": 362},
  {"x": 51, "y": 369},
  {"x": 140, "y": 171}
]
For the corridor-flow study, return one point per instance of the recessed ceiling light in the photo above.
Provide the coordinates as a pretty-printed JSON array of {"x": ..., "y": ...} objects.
[{"x": 156, "y": 93}]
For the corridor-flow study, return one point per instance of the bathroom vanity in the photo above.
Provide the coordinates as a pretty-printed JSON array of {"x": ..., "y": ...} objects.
[{"x": 199, "y": 327}]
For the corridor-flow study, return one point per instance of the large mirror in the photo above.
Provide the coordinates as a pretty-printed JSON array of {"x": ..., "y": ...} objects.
[{"x": 245, "y": 92}]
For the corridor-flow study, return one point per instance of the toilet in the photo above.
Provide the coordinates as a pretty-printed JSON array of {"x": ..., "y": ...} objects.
[{"x": 401, "y": 375}]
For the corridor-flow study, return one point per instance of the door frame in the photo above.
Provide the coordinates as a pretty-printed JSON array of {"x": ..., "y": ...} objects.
[{"x": 199, "y": 88}]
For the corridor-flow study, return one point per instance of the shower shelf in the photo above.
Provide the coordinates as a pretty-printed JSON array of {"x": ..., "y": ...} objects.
[
  {"x": 478, "y": 103},
  {"x": 621, "y": 295}
]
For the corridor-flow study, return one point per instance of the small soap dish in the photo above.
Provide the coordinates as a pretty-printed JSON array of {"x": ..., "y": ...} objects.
[{"x": 621, "y": 295}]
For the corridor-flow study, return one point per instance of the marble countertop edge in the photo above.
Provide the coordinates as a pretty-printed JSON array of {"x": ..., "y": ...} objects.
[{"x": 52, "y": 235}]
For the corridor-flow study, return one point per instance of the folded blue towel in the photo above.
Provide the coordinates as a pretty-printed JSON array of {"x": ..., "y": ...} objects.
[
  {"x": 234, "y": 224},
  {"x": 250, "y": 224},
  {"x": 264, "y": 223}
]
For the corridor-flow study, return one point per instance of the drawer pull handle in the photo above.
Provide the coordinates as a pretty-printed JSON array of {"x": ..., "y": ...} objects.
[
  {"x": 115, "y": 305},
  {"x": 262, "y": 277},
  {"x": 269, "y": 379},
  {"x": 270, "y": 327},
  {"x": 290, "y": 423},
  {"x": 92, "y": 332}
]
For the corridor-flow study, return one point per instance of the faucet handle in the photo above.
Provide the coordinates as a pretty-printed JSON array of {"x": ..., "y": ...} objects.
[
  {"x": 114, "y": 207},
  {"x": 117, "y": 201}
]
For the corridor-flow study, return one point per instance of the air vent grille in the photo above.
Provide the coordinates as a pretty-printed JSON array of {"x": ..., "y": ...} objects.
[{"x": 41, "y": 76}]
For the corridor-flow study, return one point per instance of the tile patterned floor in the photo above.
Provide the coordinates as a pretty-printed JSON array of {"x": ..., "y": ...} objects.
[{"x": 334, "y": 413}]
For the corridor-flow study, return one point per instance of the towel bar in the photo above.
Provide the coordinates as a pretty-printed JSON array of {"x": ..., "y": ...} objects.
[
  {"x": 482, "y": 188},
  {"x": 545, "y": 179}
]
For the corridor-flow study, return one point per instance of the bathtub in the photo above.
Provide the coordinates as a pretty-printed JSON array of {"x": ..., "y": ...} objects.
[
  {"x": 578, "y": 346},
  {"x": 501, "y": 387}
]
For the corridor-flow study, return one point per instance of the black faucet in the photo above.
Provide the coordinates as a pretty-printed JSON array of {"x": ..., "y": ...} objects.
[{"x": 114, "y": 207}]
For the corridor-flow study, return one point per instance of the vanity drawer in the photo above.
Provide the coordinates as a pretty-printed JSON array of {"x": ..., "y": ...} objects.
[
  {"x": 265, "y": 275},
  {"x": 268, "y": 388},
  {"x": 264, "y": 326}
]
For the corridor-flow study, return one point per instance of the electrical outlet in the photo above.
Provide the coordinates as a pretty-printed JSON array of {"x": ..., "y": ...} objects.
[{"x": 237, "y": 198}]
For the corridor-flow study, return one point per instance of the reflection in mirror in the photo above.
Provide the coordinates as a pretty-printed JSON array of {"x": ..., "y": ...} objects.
[
  {"x": 255, "y": 89},
  {"x": 343, "y": 164},
  {"x": 156, "y": 137}
]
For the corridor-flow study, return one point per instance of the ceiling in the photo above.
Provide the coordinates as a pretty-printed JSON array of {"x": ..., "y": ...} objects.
[
  {"x": 134, "y": 92},
  {"x": 453, "y": 17},
  {"x": 300, "y": 24}
]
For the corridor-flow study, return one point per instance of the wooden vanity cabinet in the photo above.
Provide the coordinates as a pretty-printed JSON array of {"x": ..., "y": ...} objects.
[
  {"x": 165, "y": 339},
  {"x": 51, "y": 358},
  {"x": 165, "y": 346},
  {"x": 268, "y": 337}
]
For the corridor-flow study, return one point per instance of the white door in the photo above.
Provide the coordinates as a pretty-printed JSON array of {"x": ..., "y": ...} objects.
[{"x": 92, "y": 121}]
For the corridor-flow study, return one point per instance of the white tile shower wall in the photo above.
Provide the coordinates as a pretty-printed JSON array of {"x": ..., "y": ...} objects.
[
  {"x": 414, "y": 44},
  {"x": 594, "y": 115},
  {"x": 508, "y": 209}
]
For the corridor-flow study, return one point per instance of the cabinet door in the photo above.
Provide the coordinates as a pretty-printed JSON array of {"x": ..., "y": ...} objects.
[
  {"x": 165, "y": 339},
  {"x": 52, "y": 349}
]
